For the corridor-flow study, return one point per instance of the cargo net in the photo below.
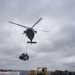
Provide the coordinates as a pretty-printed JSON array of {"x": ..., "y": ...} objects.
[{"x": 24, "y": 56}]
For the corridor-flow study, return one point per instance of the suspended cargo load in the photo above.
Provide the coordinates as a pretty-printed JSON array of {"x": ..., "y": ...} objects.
[{"x": 24, "y": 56}]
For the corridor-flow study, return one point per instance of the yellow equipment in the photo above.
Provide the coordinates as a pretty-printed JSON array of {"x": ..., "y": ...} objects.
[
  {"x": 32, "y": 72},
  {"x": 35, "y": 72}
]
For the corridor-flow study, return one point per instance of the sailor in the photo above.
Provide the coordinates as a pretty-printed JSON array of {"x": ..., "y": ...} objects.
[{"x": 42, "y": 72}]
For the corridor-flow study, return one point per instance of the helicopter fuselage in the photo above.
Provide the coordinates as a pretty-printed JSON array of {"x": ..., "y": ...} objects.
[{"x": 30, "y": 33}]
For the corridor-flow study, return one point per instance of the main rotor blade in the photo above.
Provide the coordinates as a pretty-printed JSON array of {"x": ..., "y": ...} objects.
[
  {"x": 44, "y": 30},
  {"x": 37, "y": 22},
  {"x": 18, "y": 24}
]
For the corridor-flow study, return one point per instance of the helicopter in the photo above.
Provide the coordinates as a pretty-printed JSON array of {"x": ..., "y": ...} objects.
[{"x": 30, "y": 32}]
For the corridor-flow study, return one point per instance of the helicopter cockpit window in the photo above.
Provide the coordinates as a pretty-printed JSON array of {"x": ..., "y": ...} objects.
[{"x": 24, "y": 56}]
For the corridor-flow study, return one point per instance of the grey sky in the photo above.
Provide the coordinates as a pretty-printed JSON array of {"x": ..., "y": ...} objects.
[{"x": 55, "y": 50}]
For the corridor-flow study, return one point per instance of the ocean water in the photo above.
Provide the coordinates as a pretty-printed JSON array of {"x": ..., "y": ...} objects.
[
  {"x": 13, "y": 72},
  {"x": 24, "y": 72}
]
